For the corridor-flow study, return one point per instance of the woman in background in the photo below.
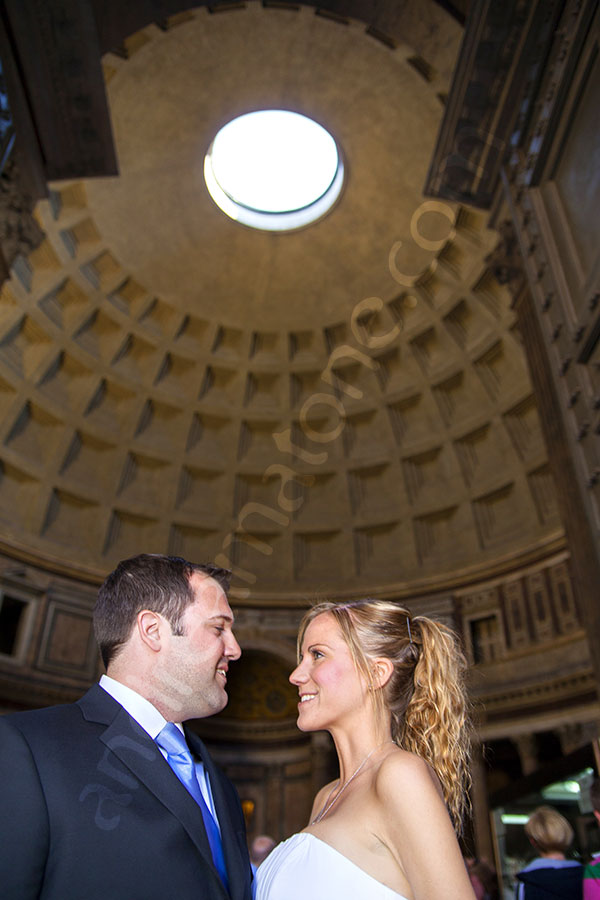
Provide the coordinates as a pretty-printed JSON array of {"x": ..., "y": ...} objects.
[
  {"x": 389, "y": 688},
  {"x": 551, "y": 874}
]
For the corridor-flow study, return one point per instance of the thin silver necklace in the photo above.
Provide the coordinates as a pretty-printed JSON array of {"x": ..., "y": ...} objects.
[{"x": 327, "y": 805}]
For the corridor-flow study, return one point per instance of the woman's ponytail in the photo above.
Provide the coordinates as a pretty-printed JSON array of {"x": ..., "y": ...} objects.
[{"x": 435, "y": 724}]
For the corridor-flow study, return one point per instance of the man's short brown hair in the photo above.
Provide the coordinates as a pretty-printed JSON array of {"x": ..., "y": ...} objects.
[{"x": 148, "y": 581}]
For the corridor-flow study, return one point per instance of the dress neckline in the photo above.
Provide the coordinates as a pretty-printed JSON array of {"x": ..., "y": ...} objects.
[{"x": 349, "y": 861}]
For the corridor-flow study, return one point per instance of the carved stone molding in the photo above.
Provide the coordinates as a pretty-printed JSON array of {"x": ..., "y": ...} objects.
[
  {"x": 505, "y": 261},
  {"x": 19, "y": 231}
]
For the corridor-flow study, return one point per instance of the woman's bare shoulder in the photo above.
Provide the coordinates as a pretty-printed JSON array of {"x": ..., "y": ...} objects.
[
  {"x": 401, "y": 762},
  {"x": 405, "y": 773},
  {"x": 408, "y": 794},
  {"x": 412, "y": 819}
]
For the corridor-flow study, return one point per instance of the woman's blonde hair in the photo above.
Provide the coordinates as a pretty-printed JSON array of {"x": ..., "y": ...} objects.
[
  {"x": 425, "y": 695},
  {"x": 548, "y": 830}
]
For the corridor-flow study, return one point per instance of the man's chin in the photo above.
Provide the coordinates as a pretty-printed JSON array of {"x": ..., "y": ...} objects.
[
  {"x": 222, "y": 701},
  {"x": 211, "y": 705}
]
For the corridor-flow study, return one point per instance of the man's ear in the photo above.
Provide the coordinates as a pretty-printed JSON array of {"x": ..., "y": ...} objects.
[
  {"x": 382, "y": 669},
  {"x": 597, "y": 814},
  {"x": 149, "y": 626}
]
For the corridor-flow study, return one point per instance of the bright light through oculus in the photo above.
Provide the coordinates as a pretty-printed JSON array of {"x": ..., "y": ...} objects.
[{"x": 274, "y": 169}]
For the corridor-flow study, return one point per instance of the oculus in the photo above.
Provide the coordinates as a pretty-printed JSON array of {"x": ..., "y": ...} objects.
[{"x": 274, "y": 170}]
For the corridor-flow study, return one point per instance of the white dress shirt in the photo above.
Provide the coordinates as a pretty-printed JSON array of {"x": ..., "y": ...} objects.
[{"x": 148, "y": 717}]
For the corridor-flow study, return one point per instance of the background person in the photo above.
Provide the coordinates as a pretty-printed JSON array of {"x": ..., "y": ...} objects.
[
  {"x": 483, "y": 878},
  {"x": 591, "y": 873},
  {"x": 260, "y": 848},
  {"x": 101, "y": 798},
  {"x": 550, "y": 875},
  {"x": 476, "y": 882},
  {"x": 389, "y": 689}
]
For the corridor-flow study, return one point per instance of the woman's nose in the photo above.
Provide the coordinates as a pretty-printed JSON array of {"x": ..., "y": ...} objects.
[{"x": 298, "y": 676}]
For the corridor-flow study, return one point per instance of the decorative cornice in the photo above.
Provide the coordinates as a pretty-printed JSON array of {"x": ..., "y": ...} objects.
[
  {"x": 51, "y": 52},
  {"x": 30, "y": 693},
  {"x": 492, "y": 92},
  {"x": 474, "y": 574},
  {"x": 546, "y": 92},
  {"x": 553, "y": 694}
]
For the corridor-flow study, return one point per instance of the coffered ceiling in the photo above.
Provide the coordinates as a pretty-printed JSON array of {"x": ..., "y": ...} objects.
[{"x": 339, "y": 409}]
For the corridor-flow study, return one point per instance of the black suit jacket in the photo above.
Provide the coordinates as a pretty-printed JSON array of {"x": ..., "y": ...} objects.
[{"x": 91, "y": 810}]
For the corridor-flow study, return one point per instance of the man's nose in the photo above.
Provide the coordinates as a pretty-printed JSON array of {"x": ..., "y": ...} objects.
[{"x": 234, "y": 651}]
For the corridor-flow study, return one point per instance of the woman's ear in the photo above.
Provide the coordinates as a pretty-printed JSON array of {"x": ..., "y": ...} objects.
[{"x": 381, "y": 669}]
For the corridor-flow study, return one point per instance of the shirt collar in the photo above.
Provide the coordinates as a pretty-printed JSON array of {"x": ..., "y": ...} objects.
[{"x": 140, "y": 709}]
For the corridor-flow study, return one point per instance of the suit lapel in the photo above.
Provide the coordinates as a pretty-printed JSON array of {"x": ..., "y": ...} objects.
[
  {"x": 236, "y": 869},
  {"x": 140, "y": 755}
]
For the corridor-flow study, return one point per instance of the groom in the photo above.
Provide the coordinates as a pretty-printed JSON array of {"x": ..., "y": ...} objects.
[{"x": 104, "y": 799}]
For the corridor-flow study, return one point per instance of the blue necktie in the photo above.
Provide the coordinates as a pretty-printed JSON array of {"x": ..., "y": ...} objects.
[{"x": 172, "y": 741}]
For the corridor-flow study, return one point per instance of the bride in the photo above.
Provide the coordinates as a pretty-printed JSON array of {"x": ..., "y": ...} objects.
[{"x": 389, "y": 689}]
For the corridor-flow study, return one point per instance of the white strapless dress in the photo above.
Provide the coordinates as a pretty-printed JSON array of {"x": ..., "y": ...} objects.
[{"x": 306, "y": 867}]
